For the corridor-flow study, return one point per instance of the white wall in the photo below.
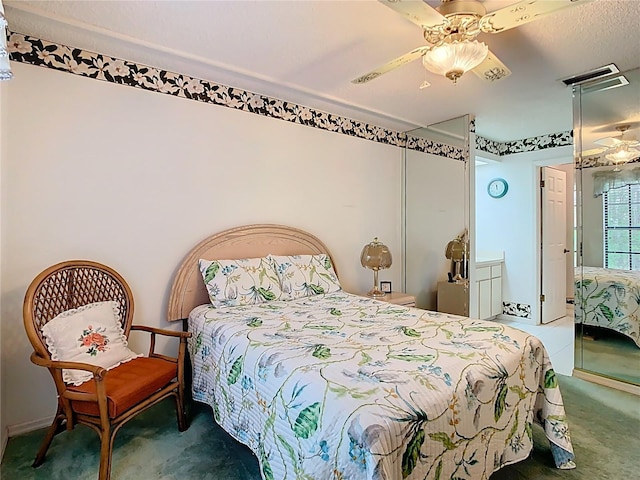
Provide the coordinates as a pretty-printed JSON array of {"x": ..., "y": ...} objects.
[
  {"x": 508, "y": 224},
  {"x": 134, "y": 179}
]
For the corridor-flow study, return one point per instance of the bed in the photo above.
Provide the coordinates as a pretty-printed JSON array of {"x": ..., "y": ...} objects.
[
  {"x": 338, "y": 386},
  {"x": 608, "y": 298}
]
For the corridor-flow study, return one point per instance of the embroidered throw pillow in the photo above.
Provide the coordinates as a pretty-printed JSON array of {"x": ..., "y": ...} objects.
[
  {"x": 305, "y": 275},
  {"x": 246, "y": 281},
  {"x": 88, "y": 334}
]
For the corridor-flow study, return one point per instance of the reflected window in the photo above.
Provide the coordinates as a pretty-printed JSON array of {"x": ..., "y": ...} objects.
[{"x": 622, "y": 227}]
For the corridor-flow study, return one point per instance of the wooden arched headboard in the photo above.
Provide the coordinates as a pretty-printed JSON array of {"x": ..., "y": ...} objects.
[{"x": 250, "y": 241}]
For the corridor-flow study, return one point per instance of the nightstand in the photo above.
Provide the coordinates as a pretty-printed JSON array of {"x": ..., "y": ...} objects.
[
  {"x": 399, "y": 298},
  {"x": 453, "y": 298}
]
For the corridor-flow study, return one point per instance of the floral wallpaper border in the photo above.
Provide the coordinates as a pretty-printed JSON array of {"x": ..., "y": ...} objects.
[
  {"x": 31, "y": 50},
  {"x": 599, "y": 161},
  {"x": 541, "y": 142}
]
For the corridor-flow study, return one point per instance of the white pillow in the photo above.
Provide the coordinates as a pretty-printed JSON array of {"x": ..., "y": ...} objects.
[
  {"x": 244, "y": 281},
  {"x": 305, "y": 275},
  {"x": 88, "y": 334}
]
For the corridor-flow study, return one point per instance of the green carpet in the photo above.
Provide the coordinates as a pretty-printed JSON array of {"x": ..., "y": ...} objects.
[
  {"x": 609, "y": 353},
  {"x": 604, "y": 427}
]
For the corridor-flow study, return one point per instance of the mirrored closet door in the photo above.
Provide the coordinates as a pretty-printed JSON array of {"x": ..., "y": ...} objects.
[
  {"x": 436, "y": 208},
  {"x": 607, "y": 281}
]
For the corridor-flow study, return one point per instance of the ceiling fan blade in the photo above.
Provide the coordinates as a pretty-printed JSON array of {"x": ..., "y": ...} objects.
[
  {"x": 523, "y": 12},
  {"x": 608, "y": 142},
  {"x": 492, "y": 69},
  {"x": 387, "y": 67},
  {"x": 612, "y": 142},
  {"x": 417, "y": 12}
]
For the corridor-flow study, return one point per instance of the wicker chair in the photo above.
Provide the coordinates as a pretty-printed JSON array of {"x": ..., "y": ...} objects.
[{"x": 113, "y": 396}]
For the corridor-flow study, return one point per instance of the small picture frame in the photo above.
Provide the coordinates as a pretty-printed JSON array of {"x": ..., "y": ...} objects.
[{"x": 385, "y": 287}]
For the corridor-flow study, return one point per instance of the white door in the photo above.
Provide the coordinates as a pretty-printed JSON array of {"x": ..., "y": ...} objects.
[{"x": 554, "y": 224}]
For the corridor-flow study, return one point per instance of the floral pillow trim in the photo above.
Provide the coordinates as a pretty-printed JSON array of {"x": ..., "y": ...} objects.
[
  {"x": 89, "y": 334},
  {"x": 245, "y": 281},
  {"x": 305, "y": 275}
]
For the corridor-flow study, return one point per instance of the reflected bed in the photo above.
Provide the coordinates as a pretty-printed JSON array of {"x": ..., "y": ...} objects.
[
  {"x": 336, "y": 385},
  {"x": 608, "y": 298}
]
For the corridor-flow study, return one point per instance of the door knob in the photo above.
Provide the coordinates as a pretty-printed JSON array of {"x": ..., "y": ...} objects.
[{"x": 566, "y": 250}]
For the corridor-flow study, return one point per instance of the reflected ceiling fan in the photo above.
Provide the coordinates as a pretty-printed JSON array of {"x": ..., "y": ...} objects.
[
  {"x": 620, "y": 148},
  {"x": 451, "y": 30}
]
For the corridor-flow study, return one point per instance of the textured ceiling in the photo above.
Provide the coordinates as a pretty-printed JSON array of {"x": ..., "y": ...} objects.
[{"x": 308, "y": 52}]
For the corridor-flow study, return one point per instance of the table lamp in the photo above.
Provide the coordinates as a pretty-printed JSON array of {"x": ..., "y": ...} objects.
[{"x": 375, "y": 256}]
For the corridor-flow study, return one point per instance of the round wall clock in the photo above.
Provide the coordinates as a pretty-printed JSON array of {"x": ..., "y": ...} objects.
[{"x": 497, "y": 188}]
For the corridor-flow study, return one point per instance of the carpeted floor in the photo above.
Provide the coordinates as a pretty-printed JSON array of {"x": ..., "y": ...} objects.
[
  {"x": 609, "y": 353},
  {"x": 604, "y": 426}
]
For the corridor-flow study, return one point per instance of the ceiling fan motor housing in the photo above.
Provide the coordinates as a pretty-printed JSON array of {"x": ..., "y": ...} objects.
[
  {"x": 462, "y": 7},
  {"x": 461, "y": 22}
]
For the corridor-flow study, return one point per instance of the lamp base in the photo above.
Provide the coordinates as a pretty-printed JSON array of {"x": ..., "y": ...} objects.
[{"x": 375, "y": 292}]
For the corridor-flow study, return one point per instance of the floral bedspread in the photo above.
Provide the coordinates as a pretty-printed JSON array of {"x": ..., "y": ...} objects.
[
  {"x": 609, "y": 298},
  {"x": 339, "y": 386}
]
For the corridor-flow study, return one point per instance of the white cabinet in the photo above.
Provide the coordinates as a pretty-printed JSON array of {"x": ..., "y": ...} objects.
[{"x": 489, "y": 290}]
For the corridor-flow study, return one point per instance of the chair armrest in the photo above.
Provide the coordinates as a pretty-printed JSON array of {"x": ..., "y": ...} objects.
[
  {"x": 96, "y": 370},
  {"x": 167, "y": 333},
  {"x": 161, "y": 331},
  {"x": 98, "y": 377}
]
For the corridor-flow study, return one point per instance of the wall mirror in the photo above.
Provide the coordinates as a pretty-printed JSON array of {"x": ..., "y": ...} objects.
[
  {"x": 435, "y": 208},
  {"x": 607, "y": 281}
]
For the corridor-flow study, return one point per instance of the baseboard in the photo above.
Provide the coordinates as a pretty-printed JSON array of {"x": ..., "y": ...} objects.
[
  {"x": 606, "y": 381},
  {"x": 26, "y": 427}
]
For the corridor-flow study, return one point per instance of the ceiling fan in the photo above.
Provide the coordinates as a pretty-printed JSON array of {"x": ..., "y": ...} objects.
[{"x": 451, "y": 29}]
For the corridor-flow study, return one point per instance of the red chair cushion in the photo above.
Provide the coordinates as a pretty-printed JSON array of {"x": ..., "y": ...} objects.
[{"x": 127, "y": 385}]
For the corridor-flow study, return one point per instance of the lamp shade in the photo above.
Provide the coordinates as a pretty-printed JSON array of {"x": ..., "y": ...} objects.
[
  {"x": 452, "y": 59},
  {"x": 375, "y": 255}
]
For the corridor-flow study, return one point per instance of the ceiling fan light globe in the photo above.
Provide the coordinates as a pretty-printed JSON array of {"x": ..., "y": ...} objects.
[
  {"x": 453, "y": 59},
  {"x": 622, "y": 154}
]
